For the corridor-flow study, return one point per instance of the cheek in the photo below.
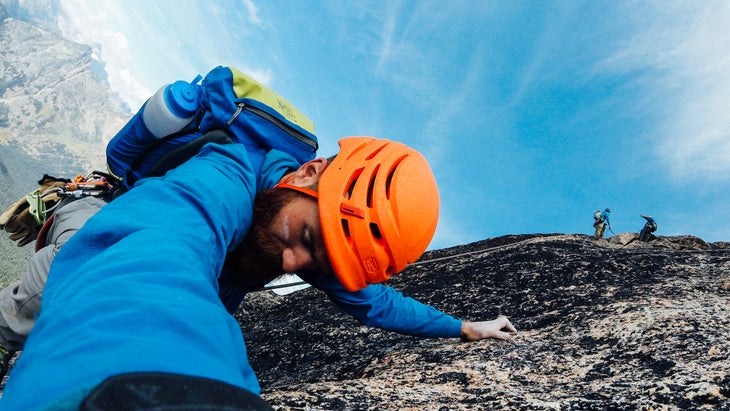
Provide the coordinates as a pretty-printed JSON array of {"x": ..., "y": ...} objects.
[{"x": 323, "y": 259}]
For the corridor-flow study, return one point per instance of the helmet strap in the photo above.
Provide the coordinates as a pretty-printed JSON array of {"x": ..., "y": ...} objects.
[{"x": 286, "y": 183}]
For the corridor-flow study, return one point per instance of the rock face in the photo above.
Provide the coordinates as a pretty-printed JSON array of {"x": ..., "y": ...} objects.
[
  {"x": 52, "y": 105},
  {"x": 601, "y": 325}
]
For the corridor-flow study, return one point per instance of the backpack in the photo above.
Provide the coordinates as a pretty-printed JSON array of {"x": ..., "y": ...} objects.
[
  {"x": 597, "y": 217},
  {"x": 227, "y": 106}
]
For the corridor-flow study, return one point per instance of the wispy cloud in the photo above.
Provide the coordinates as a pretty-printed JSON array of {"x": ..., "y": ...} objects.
[
  {"x": 253, "y": 11},
  {"x": 90, "y": 23},
  {"x": 387, "y": 40},
  {"x": 121, "y": 30},
  {"x": 685, "y": 49},
  {"x": 417, "y": 72}
]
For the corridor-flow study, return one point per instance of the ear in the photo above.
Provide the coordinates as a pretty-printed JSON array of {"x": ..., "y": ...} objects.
[{"x": 308, "y": 174}]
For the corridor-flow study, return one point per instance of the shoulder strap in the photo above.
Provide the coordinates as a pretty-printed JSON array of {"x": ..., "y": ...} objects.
[
  {"x": 40, "y": 242},
  {"x": 185, "y": 152}
]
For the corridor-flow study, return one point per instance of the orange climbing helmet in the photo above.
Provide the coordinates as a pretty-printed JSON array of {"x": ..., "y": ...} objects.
[{"x": 378, "y": 206}]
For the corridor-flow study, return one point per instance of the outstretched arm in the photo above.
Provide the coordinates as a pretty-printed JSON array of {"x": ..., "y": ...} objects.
[{"x": 383, "y": 307}]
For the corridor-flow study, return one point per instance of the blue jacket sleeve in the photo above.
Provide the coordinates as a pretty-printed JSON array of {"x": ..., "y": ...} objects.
[
  {"x": 381, "y": 306},
  {"x": 136, "y": 288}
]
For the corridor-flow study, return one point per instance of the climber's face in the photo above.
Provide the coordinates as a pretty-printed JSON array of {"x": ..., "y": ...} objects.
[
  {"x": 297, "y": 233},
  {"x": 285, "y": 237}
]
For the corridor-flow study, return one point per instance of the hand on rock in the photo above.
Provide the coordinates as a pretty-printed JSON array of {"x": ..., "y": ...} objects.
[{"x": 499, "y": 328}]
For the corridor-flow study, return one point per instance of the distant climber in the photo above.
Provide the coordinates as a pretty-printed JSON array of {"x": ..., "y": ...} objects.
[
  {"x": 600, "y": 222},
  {"x": 646, "y": 232}
]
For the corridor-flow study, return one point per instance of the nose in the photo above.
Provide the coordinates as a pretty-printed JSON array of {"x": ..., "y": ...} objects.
[{"x": 296, "y": 259}]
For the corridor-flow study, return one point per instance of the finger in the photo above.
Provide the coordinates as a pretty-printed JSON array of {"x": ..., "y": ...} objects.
[
  {"x": 18, "y": 235},
  {"x": 507, "y": 325},
  {"x": 26, "y": 240},
  {"x": 503, "y": 335},
  {"x": 12, "y": 227},
  {"x": 13, "y": 210}
]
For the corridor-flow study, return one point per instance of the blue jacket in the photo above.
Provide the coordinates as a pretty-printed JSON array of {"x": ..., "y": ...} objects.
[
  {"x": 136, "y": 289},
  {"x": 381, "y": 306}
]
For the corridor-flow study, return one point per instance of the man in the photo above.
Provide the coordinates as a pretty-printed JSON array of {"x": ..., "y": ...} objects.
[
  {"x": 600, "y": 223},
  {"x": 133, "y": 298},
  {"x": 649, "y": 227}
]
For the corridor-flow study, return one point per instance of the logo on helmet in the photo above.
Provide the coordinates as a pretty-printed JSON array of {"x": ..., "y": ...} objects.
[{"x": 370, "y": 264}]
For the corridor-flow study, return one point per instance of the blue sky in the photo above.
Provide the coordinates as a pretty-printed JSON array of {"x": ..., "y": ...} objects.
[{"x": 533, "y": 114}]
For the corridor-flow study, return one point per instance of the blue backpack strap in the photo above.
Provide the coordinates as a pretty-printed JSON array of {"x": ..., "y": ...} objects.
[{"x": 185, "y": 152}]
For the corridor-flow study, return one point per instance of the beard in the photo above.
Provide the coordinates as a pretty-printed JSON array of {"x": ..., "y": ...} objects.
[{"x": 258, "y": 259}]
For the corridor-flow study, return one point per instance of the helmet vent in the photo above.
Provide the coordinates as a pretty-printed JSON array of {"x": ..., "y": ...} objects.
[
  {"x": 376, "y": 151},
  {"x": 390, "y": 176},
  {"x": 375, "y": 231},
  {"x": 371, "y": 187},
  {"x": 345, "y": 227},
  {"x": 352, "y": 183}
]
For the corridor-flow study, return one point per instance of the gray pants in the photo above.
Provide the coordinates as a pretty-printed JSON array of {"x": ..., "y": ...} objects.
[
  {"x": 20, "y": 302},
  {"x": 600, "y": 230}
]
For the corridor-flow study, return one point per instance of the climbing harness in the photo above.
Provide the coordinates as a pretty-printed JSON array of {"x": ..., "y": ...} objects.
[{"x": 96, "y": 184}]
